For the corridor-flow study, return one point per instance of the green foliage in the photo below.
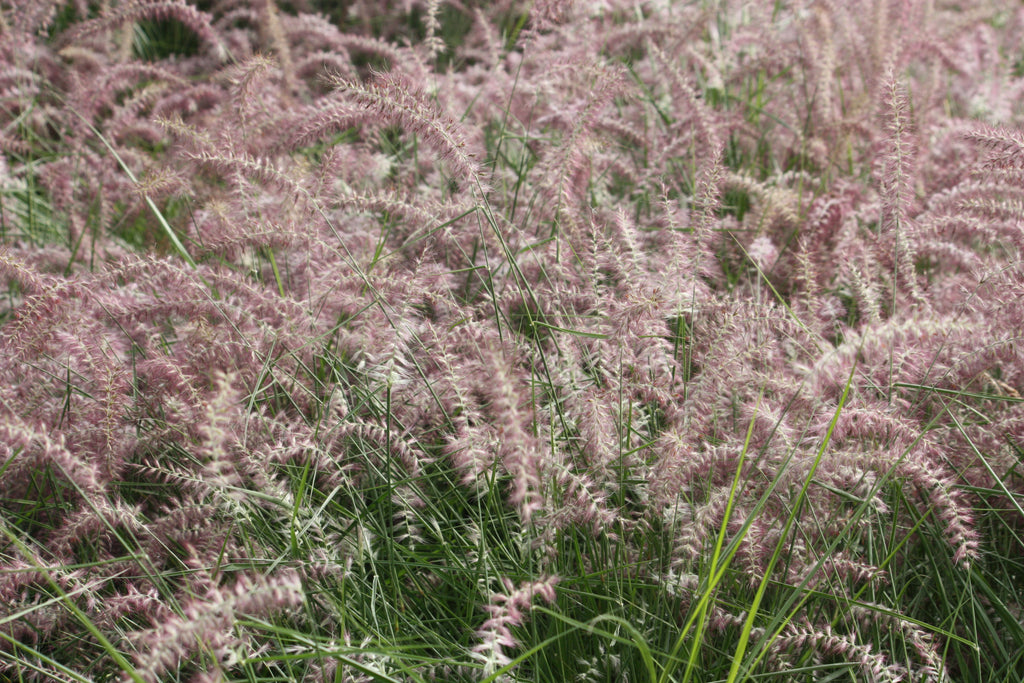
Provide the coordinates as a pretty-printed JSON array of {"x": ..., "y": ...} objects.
[{"x": 156, "y": 40}]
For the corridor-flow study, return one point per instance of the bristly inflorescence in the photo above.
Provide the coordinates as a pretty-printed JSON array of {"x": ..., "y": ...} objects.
[{"x": 683, "y": 324}]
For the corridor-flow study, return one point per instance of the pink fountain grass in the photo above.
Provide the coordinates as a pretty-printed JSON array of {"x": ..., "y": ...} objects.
[{"x": 694, "y": 329}]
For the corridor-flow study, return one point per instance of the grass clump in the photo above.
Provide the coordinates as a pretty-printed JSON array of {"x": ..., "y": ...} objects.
[{"x": 510, "y": 342}]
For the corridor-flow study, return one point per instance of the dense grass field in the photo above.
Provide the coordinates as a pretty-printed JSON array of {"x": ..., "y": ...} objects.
[{"x": 552, "y": 341}]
